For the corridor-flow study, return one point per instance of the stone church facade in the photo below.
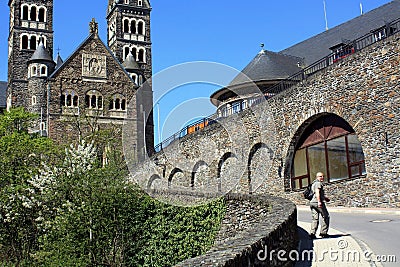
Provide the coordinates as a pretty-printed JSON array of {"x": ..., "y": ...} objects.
[{"x": 97, "y": 87}]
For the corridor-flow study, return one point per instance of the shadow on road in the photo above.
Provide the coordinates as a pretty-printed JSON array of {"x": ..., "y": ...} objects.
[{"x": 305, "y": 244}]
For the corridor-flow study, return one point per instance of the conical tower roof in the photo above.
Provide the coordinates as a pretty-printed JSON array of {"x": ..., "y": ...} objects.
[
  {"x": 59, "y": 61},
  {"x": 41, "y": 54},
  {"x": 269, "y": 66},
  {"x": 130, "y": 63}
]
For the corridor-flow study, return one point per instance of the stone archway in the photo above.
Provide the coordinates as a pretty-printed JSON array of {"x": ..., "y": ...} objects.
[{"x": 327, "y": 143}]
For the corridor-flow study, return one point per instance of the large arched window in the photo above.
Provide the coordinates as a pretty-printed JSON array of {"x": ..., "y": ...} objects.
[{"x": 329, "y": 145}]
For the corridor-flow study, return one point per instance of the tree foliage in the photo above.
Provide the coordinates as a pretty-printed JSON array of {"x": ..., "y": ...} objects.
[{"x": 74, "y": 210}]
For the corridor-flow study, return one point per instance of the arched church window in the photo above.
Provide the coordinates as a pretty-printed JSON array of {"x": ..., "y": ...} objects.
[
  {"x": 141, "y": 28},
  {"x": 118, "y": 103},
  {"x": 328, "y": 145},
  {"x": 25, "y": 42},
  {"x": 94, "y": 100},
  {"x": 33, "y": 42},
  {"x": 133, "y": 26},
  {"x": 141, "y": 55},
  {"x": 126, "y": 51},
  {"x": 25, "y": 12},
  {"x": 42, "y": 14},
  {"x": 126, "y": 26},
  {"x": 33, "y": 13},
  {"x": 134, "y": 52},
  {"x": 70, "y": 99}
]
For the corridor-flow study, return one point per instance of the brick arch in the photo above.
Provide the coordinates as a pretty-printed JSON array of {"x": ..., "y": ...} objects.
[
  {"x": 319, "y": 128},
  {"x": 251, "y": 176},
  {"x": 152, "y": 179}
]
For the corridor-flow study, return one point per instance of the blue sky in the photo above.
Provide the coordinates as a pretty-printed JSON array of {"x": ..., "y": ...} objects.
[{"x": 227, "y": 32}]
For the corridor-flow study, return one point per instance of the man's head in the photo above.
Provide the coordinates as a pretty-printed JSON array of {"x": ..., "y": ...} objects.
[{"x": 320, "y": 176}]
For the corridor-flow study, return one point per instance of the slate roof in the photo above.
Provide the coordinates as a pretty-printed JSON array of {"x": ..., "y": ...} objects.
[
  {"x": 269, "y": 66},
  {"x": 318, "y": 46},
  {"x": 130, "y": 63},
  {"x": 3, "y": 94},
  {"x": 59, "y": 61},
  {"x": 41, "y": 54}
]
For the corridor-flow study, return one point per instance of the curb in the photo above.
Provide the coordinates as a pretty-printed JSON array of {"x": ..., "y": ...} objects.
[{"x": 387, "y": 211}]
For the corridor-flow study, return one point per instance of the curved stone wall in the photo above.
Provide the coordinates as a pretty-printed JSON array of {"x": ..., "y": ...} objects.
[{"x": 252, "y": 228}]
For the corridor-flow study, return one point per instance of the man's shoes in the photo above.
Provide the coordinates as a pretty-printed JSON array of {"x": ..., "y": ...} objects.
[
  {"x": 312, "y": 236},
  {"x": 324, "y": 235}
]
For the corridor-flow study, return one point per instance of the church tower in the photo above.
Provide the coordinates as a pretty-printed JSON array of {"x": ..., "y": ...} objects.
[
  {"x": 129, "y": 31},
  {"x": 128, "y": 38},
  {"x": 30, "y": 22}
]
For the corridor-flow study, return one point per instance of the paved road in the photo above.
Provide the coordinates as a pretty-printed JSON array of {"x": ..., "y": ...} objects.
[{"x": 380, "y": 232}]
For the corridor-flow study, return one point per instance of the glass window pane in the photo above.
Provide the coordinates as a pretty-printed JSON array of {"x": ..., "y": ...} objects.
[
  {"x": 300, "y": 163},
  {"x": 316, "y": 159},
  {"x": 304, "y": 182},
  {"x": 355, "y": 150},
  {"x": 337, "y": 158},
  {"x": 355, "y": 171}
]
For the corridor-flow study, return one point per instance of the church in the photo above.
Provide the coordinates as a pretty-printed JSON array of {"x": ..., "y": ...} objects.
[{"x": 96, "y": 87}]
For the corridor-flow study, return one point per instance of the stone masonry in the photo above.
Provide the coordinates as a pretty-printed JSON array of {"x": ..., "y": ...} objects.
[{"x": 363, "y": 89}]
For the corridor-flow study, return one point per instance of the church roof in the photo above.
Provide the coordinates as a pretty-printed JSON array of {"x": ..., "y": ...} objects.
[
  {"x": 3, "y": 94},
  {"x": 130, "y": 63},
  {"x": 41, "y": 54},
  {"x": 318, "y": 46},
  {"x": 269, "y": 66}
]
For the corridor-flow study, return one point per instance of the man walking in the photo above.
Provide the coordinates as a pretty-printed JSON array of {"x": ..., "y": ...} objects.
[{"x": 317, "y": 205}]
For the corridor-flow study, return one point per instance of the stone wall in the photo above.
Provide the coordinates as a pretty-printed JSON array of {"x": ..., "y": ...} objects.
[
  {"x": 363, "y": 89},
  {"x": 252, "y": 227}
]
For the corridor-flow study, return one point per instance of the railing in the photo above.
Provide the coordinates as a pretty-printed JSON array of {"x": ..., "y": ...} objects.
[{"x": 351, "y": 48}]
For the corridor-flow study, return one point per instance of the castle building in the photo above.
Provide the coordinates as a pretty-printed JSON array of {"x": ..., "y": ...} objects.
[{"x": 98, "y": 83}]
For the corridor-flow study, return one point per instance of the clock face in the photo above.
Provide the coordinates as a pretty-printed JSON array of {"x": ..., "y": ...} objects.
[{"x": 94, "y": 66}]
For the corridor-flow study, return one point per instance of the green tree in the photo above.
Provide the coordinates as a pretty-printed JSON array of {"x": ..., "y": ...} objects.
[{"x": 21, "y": 155}]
